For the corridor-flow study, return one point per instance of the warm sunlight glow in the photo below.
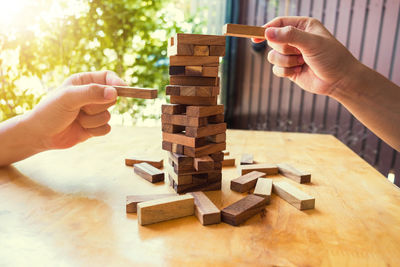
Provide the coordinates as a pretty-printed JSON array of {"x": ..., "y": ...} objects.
[{"x": 9, "y": 10}]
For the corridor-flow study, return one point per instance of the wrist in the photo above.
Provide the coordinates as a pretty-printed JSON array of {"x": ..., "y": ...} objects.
[{"x": 30, "y": 133}]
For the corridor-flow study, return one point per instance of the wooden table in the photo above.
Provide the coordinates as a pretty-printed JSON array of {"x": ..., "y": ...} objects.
[{"x": 68, "y": 207}]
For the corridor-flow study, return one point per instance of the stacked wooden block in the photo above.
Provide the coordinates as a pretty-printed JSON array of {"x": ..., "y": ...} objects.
[{"x": 193, "y": 124}]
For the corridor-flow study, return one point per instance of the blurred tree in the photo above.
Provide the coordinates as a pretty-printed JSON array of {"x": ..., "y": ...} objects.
[{"x": 126, "y": 36}]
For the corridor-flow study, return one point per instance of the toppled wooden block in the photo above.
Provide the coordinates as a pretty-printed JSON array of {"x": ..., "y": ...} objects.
[
  {"x": 183, "y": 90},
  {"x": 194, "y": 100},
  {"x": 228, "y": 162},
  {"x": 246, "y": 31},
  {"x": 210, "y": 129},
  {"x": 156, "y": 162},
  {"x": 193, "y": 61},
  {"x": 135, "y": 92},
  {"x": 246, "y": 159},
  {"x": 173, "y": 109},
  {"x": 133, "y": 200},
  {"x": 148, "y": 172},
  {"x": 242, "y": 210},
  {"x": 205, "y": 210},
  {"x": 263, "y": 188},
  {"x": 165, "y": 209},
  {"x": 262, "y": 167},
  {"x": 293, "y": 173},
  {"x": 293, "y": 195},
  {"x": 203, "y": 163},
  {"x": 204, "y": 111},
  {"x": 193, "y": 80},
  {"x": 246, "y": 182}
]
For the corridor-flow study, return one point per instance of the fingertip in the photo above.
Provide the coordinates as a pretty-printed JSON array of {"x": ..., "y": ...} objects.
[
  {"x": 270, "y": 34},
  {"x": 110, "y": 93}
]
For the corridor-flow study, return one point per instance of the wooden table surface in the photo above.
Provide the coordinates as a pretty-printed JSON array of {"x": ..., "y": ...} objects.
[{"x": 68, "y": 208}]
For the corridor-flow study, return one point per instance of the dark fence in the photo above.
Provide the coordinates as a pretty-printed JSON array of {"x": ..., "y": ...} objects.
[{"x": 256, "y": 99}]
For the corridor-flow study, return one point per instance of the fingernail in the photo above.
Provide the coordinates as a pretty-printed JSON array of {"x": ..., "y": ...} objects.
[
  {"x": 271, "y": 33},
  {"x": 110, "y": 93}
]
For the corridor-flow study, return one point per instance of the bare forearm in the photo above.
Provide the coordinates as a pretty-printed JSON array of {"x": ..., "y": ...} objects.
[
  {"x": 16, "y": 141},
  {"x": 375, "y": 101}
]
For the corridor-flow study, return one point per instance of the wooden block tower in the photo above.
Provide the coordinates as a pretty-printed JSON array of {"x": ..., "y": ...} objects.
[{"x": 193, "y": 124}]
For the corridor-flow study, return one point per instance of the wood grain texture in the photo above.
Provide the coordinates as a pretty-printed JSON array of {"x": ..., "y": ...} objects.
[
  {"x": 173, "y": 109},
  {"x": 217, "y": 50},
  {"x": 148, "y": 172},
  {"x": 181, "y": 159},
  {"x": 199, "y": 39},
  {"x": 184, "y": 140},
  {"x": 194, "y": 100},
  {"x": 211, "y": 129},
  {"x": 180, "y": 179},
  {"x": 193, "y": 80},
  {"x": 183, "y": 120},
  {"x": 240, "y": 211},
  {"x": 203, "y": 163},
  {"x": 133, "y": 200},
  {"x": 263, "y": 188},
  {"x": 226, "y": 152},
  {"x": 293, "y": 195},
  {"x": 293, "y": 173},
  {"x": 157, "y": 162},
  {"x": 201, "y": 50},
  {"x": 238, "y": 30},
  {"x": 135, "y": 92},
  {"x": 204, "y": 150},
  {"x": 193, "y": 61},
  {"x": 218, "y": 156},
  {"x": 218, "y": 138},
  {"x": 181, "y": 90},
  {"x": 227, "y": 162},
  {"x": 171, "y": 128},
  {"x": 246, "y": 159},
  {"x": 165, "y": 209},
  {"x": 205, "y": 210},
  {"x": 246, "y": 182},
  {"x": 262, "y": 167},
  {"x": 204, "y": 111}
]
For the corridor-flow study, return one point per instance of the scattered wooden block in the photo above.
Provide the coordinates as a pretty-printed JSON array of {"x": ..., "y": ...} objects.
[
  {"x": 165, "y": 209},
  {"x": 173, "y": 109},
  {"x": 181, "y": 90},
  {"x": 246, "y": 159},
  {"x": 211, "y": 129},
  {"x": 135, "y": 92},
  {"x": 148, "y": 172},
  {"x": 262, "y": 167},
  {"x": 198, "y": 39},
  {"x": 204, "y": 111},
  {"x": 293, "y": 173},
  {"x": 194, "y": 100},
  {"x": 204, "y": 150},
  {"x": 193, "y": 80},
  {"x": 242, "y": 210},
  {"x": 264, "y": 188},
  {"x": 246, "y": 182},
  {"x": 205, "y": 210},
  {"x": 228, "y": 162},
  {"x": 201, "y": 50},
  {"x": 133, "y": 200},
  {"x": 217, "y": 50},
  {"x": 203, "y": 163},
  {"x": 171, "y": 128},
  {"x": 183, "y": 120},
  {"x": 156, "y": 162},
  {"x": 293, "y": 195},
  {"x": 246, "y": 31},
  {"x": 193, "y": 61}
]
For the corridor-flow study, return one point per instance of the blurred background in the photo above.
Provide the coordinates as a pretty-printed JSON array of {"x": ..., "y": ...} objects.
[{"x": 42, "y": 42}]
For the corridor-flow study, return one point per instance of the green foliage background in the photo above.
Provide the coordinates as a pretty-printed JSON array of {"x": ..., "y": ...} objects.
[{"x": 119, "y": 35}]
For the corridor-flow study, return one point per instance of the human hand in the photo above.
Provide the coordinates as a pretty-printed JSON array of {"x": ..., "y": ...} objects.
[
  {"x": 304, "y": 51},
  {"x": 76, "y": 111}
]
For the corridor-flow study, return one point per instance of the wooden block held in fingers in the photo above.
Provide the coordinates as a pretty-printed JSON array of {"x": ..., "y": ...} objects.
[
  {"x": 217, "y": 50},
  {"x": 201, "y": 50},
  {"x": 293, "y": 173},
  {"x": 173, "y": 109},
  {"x": 262, "y": 167},
  {"x": 133, "y": 200},
  {"x": 199, "y": 39},
  {"x": 165, "y": 209},
  {"x": 171, "y": 128},
  {"x": 246, "y": 182},
  {"x": 293, "y": 195},
  {"x": 204, "y": 111},
  {"x": 246, "y": 159},
  {"x": 194, "y": 100},
  {"x": 263, "y": 188},
  {"x": 203, "y": 163},
  {"x": 148, "y": 172},
  {"x": 156, "y": 162},
  {"x": 246, "y": 31},
  {"x": 228, "y": 162},
  {"x": 211, "y": 129},
  {"x": 204, "y": 150},
  {"x": 135, "y": 92},
  {"x": 242, "y": 210},
  {"x": 193, "y": 80},
  {"x": 205, "y": 210},
  {"x": 193, "y": 61}
]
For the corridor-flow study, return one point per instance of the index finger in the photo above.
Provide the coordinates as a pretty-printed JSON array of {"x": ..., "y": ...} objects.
[
  {"x": 105, "y": 77},
  {"x": 298, "y": 22}
]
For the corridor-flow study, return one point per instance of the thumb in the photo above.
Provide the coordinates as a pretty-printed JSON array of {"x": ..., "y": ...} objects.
[
  {"x": 292, "y": 36},
  {"x": 75, "y": 97}
]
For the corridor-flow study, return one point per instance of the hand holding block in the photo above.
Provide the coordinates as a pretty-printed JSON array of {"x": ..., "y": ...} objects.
[
  {"x": 205, "y": 210},
  {"x": 148, "y": 172},
  {"x": 156, "y": 162},
  {"x": 263, "y": 188},
  {"x": 246, "y": 31},
  {"x": 262, "y": 167},
  {"x": 165, "y": 209},
  {"x": 294, "y": 174},
  {"x": 293, "y": 195},
  {"x": 132, "y": 201},
  {"x": 246, "y": 182},
  {"x": 243, "y": 209},
  {"x": 136, "y": 92}
]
